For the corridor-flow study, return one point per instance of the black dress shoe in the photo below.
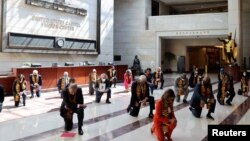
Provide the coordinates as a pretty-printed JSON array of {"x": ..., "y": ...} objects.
[
  {"x": 80, "y": 132},
  {"x": 108, "y": 102},
  {"x": 209, "y": 116},
  {"x": 185, "y": 101},
  {"x": 151, "y": 115},
  {"x": 228, "y": 102}
]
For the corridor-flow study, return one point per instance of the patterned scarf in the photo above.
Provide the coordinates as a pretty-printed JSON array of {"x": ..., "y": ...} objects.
[
  {"x": 69, "y": 112},
  {"x": 35, "y": 79}
]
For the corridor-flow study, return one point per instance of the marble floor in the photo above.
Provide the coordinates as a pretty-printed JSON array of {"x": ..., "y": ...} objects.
[{"x": 40, "y": 119}]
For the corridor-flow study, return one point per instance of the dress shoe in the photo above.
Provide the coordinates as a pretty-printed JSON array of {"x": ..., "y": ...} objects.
[
  {"x": 80, "y": 131},
  {"x": 209, "y": 116},
  {"x": 185, "y": 101},
  {"x": 151, "y": 115},
  {"x": 228, "y": 102},
  {"x": 108, "y": 102}
]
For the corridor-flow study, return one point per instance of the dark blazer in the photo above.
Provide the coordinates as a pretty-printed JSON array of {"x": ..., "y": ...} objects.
[
  {"x": 197, "y": 96},
  {"x": 66, "y": 101},
  {"x": 1, "y": 94},
  {"x": 114, "y": 73},
  {"x": 134, "y": 97},
  {"x": 40, "y": 82}
]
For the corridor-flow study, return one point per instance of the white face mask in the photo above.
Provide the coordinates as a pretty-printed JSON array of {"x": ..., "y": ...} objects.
[{"x": 103, "y": 80}]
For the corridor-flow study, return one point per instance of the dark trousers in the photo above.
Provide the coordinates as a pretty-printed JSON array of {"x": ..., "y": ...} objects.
[
  {"x": 151, "y": 87},
  {"x": 99, "y": 96},
  {"x": 162, "y": 83},
  {"x": 38, "y": 93},
  {"x": 91, "y": 88},
  {"x": 196, "y": 111},
  {"x": 69, "y": 122},
  {"x": 113, "y": 82},
  {"x": 134, "y": 111},
  {"x": 230, "y": 98},
  {"x": 17, "y": 102}
]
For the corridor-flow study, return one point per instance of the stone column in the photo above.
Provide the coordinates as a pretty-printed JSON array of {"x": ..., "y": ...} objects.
[{"x": 234, "y": 25}]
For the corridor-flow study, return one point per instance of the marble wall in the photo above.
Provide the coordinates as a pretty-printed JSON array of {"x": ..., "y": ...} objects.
[
  {"x": 246, "y": 30},
  {"x": 19, "y": 19},
  {"x": 131, "y": 36}
]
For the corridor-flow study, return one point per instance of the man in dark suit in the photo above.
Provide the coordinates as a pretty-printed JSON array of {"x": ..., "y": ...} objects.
[
  {"x": 35, "y": 84},
  {"x": 103, "y": 86},
  {"x": 1, "y": 97},
  {"x": 73, "y": 102}
]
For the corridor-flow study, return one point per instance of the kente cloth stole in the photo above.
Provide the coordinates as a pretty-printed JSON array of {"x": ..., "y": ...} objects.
[
  {"x": 35, "y": 79},
  {"x": 141, "y": 90}
]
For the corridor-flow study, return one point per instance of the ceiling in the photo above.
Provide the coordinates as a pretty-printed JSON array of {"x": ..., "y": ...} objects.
[{"x": 196, "y": 6}]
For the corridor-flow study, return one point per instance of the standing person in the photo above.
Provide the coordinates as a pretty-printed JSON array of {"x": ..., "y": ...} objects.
[
  {"x": 103, "y": 86},
  {"x": 35, "y": 84},
  {"x": 63, "y": 82},
  {"x": 128, "y": 79},
  {"x": 181, "y": 87},
  {"x": 92, "y": 81},
  {"x": 140, "y": 96},
  {"x": 149, "y": 77},
  {"x": 203, "y": 94},
  {"x": 158, "y": 78},
  {"x": 19, "y": 88},
  {"x": 73, "y": 102},
  {"x": 112, "y": 76},
  {"x": 1, "y": 97},
  {"x": 164, "y": 118}
]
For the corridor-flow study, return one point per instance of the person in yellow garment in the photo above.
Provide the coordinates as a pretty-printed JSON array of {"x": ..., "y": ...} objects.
[
  {"x": 63, "y": 82},
  {"x": 19, "y": 89},
  {"x": 230, "y": 48}
]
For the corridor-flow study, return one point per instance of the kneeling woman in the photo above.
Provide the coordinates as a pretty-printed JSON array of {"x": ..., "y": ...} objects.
[
  {"x": 19, "y": 90},
  {"x": 164, "y": 118}
]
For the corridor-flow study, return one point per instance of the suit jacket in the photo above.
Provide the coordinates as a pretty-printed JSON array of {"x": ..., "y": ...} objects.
[
  {"x": 198, "y": 96},
  {"x": 59, "y": 83},
  {"x": 1, "y": 94},
  {"x": 66, "y": 99},
  {"x": 39, "y": 80}
]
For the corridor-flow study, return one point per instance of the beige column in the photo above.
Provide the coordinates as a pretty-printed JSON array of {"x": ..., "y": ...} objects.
[{"x": 234, "y": 22}]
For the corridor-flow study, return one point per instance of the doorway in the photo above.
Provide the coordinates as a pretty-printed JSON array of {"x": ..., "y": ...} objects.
[{"x": 200, "y": 56}]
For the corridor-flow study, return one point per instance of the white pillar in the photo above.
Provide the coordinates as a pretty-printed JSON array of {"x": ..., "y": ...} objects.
[{"x": 234, "y": 22}]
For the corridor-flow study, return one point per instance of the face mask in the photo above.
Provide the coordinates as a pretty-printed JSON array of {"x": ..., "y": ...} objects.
[{"x": 103, "y": 80}]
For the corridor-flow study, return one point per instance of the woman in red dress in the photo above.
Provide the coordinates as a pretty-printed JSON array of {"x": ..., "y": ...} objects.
[
  {"x": 164, "y": 118},
  {"x": 128, "y": 79}
]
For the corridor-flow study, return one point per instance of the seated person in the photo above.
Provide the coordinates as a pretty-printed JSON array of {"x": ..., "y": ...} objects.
[
  {"x": 140, "y": 96},
  {"x": 158, "y": 78},
  {"x": 73, "y": 102},
  {"x": 181, "y": 87},
  {"x": 164, "y": 118},
  {"x": 103, "y": 86},
  {"x": 19, "y": 90}
]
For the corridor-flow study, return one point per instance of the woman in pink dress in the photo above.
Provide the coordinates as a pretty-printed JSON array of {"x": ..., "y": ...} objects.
[{"x": 128, "y": 79}]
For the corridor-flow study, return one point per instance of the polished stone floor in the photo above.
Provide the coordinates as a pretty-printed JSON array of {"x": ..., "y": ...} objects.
[{"x": 40, "y": 119}]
